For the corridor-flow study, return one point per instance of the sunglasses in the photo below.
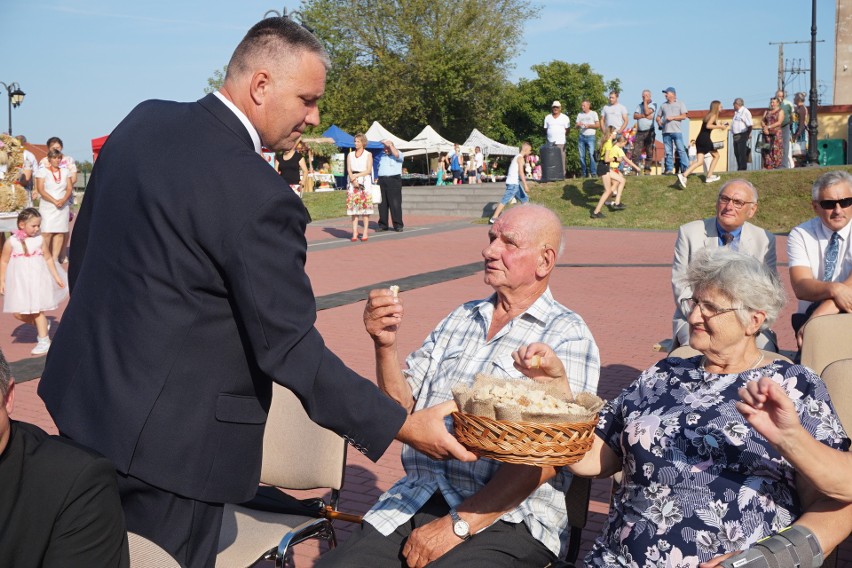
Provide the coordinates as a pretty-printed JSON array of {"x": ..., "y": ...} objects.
[{"x": 830, "y": 204}]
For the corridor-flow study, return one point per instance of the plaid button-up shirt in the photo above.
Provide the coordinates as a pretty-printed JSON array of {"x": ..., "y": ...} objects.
[{"x": 452, "y": 355}]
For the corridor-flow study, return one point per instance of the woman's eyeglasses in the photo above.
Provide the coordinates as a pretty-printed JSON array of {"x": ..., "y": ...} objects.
[{"x": 707, "y": 309}]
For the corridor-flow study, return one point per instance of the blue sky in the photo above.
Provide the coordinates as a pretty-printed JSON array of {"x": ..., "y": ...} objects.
[{"x": 85, "y": 64}]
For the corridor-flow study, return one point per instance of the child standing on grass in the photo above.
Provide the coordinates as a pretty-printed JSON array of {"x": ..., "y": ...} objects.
[{"x": 29, "y": 278}]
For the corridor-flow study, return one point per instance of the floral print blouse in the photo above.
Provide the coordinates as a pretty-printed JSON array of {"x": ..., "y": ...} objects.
[{"x": 698, "y": 481}]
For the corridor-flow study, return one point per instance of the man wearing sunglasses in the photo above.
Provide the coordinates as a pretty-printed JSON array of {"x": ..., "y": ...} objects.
[
  {"x": 735, "y": 205},
  {"x": 819, "y": 252}
]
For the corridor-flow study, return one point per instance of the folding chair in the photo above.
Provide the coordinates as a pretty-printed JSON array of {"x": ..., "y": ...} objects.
[
  {"x": 297, "y": 454},
  {"x": 146, "y": 554},
  {"x": 825, "y": 339}
]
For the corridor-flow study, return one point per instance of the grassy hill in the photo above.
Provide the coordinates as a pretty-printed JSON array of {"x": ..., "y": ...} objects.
[{"x": 653, "y": 202}]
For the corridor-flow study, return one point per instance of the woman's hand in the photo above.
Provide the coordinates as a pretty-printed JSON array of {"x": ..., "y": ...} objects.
[
  {"x": 769, "y": 410},
  {"x": 712, "y": 563}
]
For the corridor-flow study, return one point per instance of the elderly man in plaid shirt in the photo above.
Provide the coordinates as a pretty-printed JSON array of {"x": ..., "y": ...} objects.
[{"x": 485, "y": 513}]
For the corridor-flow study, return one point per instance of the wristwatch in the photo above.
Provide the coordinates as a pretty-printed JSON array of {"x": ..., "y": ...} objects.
[{"x": 460, "y": 527}]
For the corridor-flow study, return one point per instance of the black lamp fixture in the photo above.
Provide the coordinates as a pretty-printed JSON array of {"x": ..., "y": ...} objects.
[{"x": 16, "y": 97}]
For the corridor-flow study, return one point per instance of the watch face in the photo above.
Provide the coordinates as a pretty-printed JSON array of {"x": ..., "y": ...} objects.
[{"x": 461, "y": 528}]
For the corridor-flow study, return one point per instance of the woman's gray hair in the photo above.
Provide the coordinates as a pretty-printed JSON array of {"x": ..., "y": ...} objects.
[
  {"x": 828, "y": 179},
  {"x": 5, "y": 378},
  {"x": 746, "y": 281}
]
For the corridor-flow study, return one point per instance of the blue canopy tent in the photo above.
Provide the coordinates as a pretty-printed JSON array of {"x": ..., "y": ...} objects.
[{"x": 346, "y": 140}]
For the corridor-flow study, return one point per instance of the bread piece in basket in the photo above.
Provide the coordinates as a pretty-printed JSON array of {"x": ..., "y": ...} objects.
[{"x": 524, "y": 422}]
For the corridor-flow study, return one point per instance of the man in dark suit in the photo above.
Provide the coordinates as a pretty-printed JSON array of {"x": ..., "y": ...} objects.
[
  {"x": 59, "y": 502},
  {"x": 189, "y": 297}
]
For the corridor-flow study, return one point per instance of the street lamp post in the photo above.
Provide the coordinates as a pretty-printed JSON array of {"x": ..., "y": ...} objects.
[
  {"x": 813, "y": 153},
  {"x": 16, "y": 97},
  {"x": 292, "y": 14}
]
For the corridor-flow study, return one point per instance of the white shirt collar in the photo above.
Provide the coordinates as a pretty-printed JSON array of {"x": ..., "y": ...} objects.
[{"x": 255, "y": 137}]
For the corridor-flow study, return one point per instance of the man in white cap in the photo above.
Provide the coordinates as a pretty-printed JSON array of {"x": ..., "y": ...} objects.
[{"x": 557, "y": 124}]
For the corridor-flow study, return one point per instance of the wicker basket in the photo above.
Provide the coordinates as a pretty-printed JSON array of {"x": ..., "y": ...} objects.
[{"x": 528, "y": 443}]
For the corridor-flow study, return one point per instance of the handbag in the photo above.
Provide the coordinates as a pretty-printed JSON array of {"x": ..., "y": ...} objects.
[
  {"x": 762, "y": 144},
  {"x": 376, "y": 193},
  {"x": 718, "y": 145}
]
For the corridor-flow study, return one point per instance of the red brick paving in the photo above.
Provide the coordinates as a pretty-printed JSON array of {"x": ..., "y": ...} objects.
[{"x": 628, "y": 308}]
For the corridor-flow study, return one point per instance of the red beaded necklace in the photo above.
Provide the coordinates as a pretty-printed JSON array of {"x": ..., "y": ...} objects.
[{"x": 57, "y": 175}]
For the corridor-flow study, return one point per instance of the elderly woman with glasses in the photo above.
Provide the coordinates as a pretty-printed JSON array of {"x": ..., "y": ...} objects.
[{"x": 697, "y": 481}]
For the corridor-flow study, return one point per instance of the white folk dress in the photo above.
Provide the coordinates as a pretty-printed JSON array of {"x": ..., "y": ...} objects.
[
  {"x": 30, "y": 288},
  {"x": 359, "y": 201},
  {"x": 53, "y": 219}
]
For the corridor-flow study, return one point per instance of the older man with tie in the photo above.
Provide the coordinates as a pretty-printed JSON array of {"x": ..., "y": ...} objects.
[
  {"x": 819, "y": 252},
  {"x": 735, "y": 205}
]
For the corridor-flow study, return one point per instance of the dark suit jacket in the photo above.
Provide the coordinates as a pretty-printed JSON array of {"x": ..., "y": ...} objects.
[
  {"x": 188, "y": 298},
  {"x": 59, "y": 504}
]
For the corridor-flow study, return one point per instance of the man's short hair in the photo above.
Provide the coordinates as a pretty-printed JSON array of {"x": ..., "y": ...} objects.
[
  {"x": 5, "y": 377},
  {"x": 828, "y": 179},
  {"x": 271, "y": 40},
  {"x": 742, "y": 181},
  {"x": 739, "y": 101}
]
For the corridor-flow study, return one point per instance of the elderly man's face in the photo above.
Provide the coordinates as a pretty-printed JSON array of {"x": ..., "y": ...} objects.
[
  {"x": 735, "y": 195},
  {"x": 837, "y": 217},
  {"x": 289, "y": 103},
  {"x": 512, "y": 256}
]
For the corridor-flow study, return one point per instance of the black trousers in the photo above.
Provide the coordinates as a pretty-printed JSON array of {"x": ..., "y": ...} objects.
[
  {"x": 502, "y": 545},
  {"x": 185, "y": 528},
  {"x": 741, "y": 150},
  {"x": 391, "y": 198}
]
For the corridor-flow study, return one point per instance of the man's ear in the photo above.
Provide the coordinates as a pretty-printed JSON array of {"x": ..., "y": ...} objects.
[
  {"x": 546, "y": 262},
  {"x": 10, "y": 397},
  {"x": 259, "y": 86}
]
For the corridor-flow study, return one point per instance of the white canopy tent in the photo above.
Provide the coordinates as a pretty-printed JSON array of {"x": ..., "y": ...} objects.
[
  {"x": 377, "y": 133},
  {"x": 428, "y": 142},
  {"x": 489, "y": 147}
]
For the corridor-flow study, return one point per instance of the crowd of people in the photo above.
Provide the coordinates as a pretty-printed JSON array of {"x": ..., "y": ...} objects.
[{"x": 215, "y": 306}]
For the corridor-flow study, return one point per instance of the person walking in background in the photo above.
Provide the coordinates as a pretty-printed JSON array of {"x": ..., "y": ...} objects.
[
  {"x": 28, "y": 170},
  {"x": 359, "y": 202},
  {"x": 773, "y": 120},
  {"x": 614, "y": 114},
  {"x": 669, "y": 117},
  {"x": 800, "y": 127},
  {"x": 53, "y": 185},
  {"x": 29, "y": 278},
  {"x": 614, "y": 157},
  {"x": 786, "y": 129},
  {"x": 643, "y": 142},
  {"x": 587, "y": 124},
  {"x": 457, "y": 164},
  {"x": 557, "y": 124},
  {"x": 704, "y": 145},
  {"x": 741, "y": 127},
  {"x": 390, "y": 182},
  {"x": 478, "y": 163},
  {"x": 516, "y": 181}
]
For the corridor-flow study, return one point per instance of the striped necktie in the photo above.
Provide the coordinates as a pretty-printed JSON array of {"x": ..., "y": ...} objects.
[{"x": 831, "y": 257}]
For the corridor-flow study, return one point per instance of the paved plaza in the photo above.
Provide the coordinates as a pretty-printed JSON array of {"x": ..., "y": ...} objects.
[{"x": 619, "y": 281}]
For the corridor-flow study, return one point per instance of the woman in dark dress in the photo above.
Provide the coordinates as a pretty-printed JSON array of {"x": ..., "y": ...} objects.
[
  {"x": 704, "y": 145},
  {"x": 291, "y": 167}
]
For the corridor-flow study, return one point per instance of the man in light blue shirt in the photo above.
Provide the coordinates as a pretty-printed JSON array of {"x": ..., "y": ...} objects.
[{"x": 390, "y": 181}]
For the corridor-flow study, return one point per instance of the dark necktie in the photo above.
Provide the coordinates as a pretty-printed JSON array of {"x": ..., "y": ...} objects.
[
  {"x": 727, "y": 238},
  {"x": 831, "y": 257}
]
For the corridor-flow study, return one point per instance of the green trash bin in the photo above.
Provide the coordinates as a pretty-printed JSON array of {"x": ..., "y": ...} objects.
[{"x": 832, "y": 152}]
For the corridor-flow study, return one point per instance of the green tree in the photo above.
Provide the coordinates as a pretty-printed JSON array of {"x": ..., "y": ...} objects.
[
  {"x": 527, "y": 103},
  {"x": 417, "y": 62},
  {"x": 214, "y": 83}
]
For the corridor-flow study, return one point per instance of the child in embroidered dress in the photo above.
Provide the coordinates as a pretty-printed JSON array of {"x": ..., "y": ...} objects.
[{"x": 29, "y": 278}]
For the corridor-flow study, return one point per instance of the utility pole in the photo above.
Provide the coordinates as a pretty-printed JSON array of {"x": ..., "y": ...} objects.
[
  {"x": 813, "y": 155},
  {"x": 781, "y": 69}
]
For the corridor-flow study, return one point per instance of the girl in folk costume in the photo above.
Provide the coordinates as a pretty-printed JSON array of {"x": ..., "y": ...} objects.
[
  {"x": 359, "y": 202},
  {"x": 29, "y": 278}
]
